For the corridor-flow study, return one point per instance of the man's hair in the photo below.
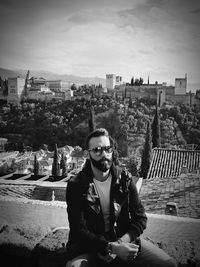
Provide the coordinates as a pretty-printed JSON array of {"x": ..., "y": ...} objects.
[{"x": 96, "y": 133}]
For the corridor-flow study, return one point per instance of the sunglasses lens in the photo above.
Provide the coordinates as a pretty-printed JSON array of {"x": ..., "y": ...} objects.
[
  {"x": 97, "y": 150},
  {"x": 108, "y": 149}
]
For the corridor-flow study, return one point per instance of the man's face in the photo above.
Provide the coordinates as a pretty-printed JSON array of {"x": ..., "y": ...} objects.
[{"x": 102, "y": 161}]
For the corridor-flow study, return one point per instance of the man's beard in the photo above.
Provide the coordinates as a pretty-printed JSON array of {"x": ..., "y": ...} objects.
[{"x": 103, "y": 164}]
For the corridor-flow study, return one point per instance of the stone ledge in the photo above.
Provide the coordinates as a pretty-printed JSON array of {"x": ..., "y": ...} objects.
[
  {"x": 18, "y": 242},
  {"x": 51, "y": 251},
  {"x": 47, "y": 248}
]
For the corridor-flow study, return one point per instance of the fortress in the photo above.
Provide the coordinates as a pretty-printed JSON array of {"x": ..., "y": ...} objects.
[
  {"x": 34, "y": 88},
  {"x": 46, "y": 90},
  {"x": 162, "y": 93}
]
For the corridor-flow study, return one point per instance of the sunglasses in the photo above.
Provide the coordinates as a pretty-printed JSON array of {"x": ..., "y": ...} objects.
[{"x": 99, "y": 150}]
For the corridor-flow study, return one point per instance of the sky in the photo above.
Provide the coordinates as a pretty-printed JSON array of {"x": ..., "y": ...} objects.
[{"x": 88, "y": 38}]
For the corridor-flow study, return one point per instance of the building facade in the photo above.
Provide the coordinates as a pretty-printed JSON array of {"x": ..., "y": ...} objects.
[
  {"x": 112, "y": 80},
  {"x": 58, "y": 85},
  {"x": 15, "y": 90},
  {"x": 181, "y": 86}
]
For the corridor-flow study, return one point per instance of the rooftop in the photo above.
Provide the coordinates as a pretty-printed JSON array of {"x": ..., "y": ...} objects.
[
  {"x": 171, "y": 163},
  {"x": 183, "y": 190}
]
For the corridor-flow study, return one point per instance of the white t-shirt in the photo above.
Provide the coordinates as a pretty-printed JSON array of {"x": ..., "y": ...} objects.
[{"x": 103, "y": 189}]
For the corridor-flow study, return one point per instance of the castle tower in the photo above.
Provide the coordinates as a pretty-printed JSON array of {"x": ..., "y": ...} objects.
[
  {"x": 181, "y": 85},
  {"x": 110, "y": 81},
  {"x": 15, "y": 90}
]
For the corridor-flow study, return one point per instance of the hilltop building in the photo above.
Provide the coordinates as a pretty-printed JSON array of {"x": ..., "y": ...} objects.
[
  {"x": 60, "y": 88},
  {"x": 15, "y": 90},
  {"x": 153, "y": 91},
  {"x": 181, "y": 85},
  {"x": 162, "y": 92},
  {"x": 58, "y": 85},
  {"x": 112, "y": 81},
  {"x": 37, "y": 88}
]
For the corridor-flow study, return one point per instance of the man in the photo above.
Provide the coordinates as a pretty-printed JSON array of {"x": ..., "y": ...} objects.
[{"x": 106, "y": 216}]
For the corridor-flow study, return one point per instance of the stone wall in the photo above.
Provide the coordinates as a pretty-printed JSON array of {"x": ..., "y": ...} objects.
[{"x": 40, "y": 235}]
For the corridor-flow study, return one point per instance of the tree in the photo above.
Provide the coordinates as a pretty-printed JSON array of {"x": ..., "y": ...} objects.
[
  {"x": 137, "y": 81},
  {"x": 63, "y": 165},
  {"x": 55, "y": 165},
  {"x": 115, "y": 155},
  {"x": 73, "y": 87},
  {"x": 130, "y": 104},
  {"x": 44, "y": 147},
  {"x": 91, "y": 120},
  {"x": 132, "y": 166},
  {"x": 1, "y": 84},
  {"x": 4, "y": 86},
  {"x": 156, "y": 130},
  {"x": 26, "y": 83},
  {"x": 132, "y": 81},
  {"x": 36, "y": 166},
  {"x": 141, "y": 81},
  {"x": 146, "y": 153}
]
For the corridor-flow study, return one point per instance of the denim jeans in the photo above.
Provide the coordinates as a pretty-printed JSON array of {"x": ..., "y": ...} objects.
[{"x": 149, "y": 256}]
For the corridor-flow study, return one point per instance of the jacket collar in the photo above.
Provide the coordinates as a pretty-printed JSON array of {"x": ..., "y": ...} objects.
[
  {"x": 119, "y": 186},
  {"x": 87, "y": 174}
]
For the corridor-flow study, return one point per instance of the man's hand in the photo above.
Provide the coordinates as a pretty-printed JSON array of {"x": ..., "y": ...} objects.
[
  {"x": 125, "y": 251},
  {"x": 107, "y": 258}
]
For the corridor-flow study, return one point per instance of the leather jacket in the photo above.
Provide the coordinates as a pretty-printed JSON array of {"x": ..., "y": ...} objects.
[{"x": 85, "y": 216}]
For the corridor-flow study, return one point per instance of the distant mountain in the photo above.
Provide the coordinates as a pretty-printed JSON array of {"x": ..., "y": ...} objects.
[{"x": 6, "y": 73}]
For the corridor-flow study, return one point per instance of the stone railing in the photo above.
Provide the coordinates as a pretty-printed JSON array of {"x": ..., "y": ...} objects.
[{"x": 42, "y": 247}]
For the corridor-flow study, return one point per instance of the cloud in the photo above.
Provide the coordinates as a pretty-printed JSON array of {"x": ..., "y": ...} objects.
[
  {"x": 79, "y": 19},
  {"x": 195, "y": 11},
  {"x": 94, "y": 37},
  {"x": 143, "y": 8},
  {"x": 89, "y": 16},
  {"x": 145, "y": 52}
]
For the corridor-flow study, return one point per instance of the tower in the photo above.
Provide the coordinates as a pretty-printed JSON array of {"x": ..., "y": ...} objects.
[
  {"x": 15, "y": 89},
  {"x": 181, "y": 85},
  {"x": 110, "y": 81}
]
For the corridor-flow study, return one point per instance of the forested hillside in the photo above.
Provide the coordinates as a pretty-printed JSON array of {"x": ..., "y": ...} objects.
[{"x": 33, "y": 124}]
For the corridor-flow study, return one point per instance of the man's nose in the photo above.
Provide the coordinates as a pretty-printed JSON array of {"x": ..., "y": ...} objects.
[{"x": 103, "y": 153}]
